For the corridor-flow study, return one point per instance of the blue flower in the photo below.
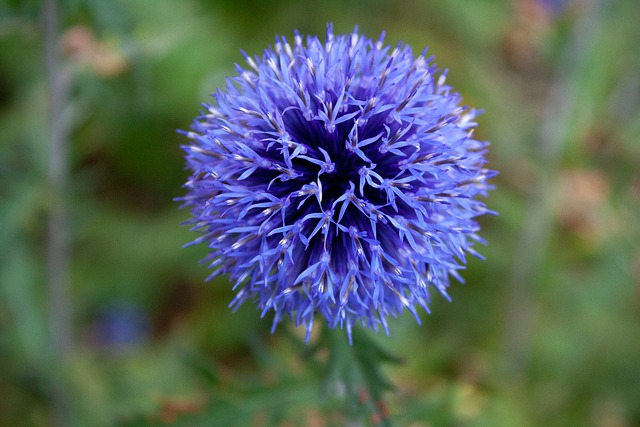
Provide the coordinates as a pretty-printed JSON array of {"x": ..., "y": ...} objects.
[{"x": 338, "y": 179}]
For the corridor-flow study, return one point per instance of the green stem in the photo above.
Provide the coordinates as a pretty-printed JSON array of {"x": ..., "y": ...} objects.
[
  {"x": 355, "y": 375},
  {"x": 537, "y": 224}
]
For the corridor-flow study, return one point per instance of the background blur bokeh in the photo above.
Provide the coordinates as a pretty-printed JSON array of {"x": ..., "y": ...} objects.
[{"x": 545, "y": 332}]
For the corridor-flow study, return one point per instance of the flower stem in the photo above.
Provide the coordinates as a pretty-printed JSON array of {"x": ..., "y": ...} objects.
[
  {"x": 58, "y": 301},
  {"x": 355, "y": 374}
]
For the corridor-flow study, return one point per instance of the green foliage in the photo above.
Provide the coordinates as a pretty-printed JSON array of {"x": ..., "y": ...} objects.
[{"x": 545, "y": 332}]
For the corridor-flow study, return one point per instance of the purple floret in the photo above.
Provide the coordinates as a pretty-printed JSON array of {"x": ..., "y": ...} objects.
[{"x": 336, "y": 178}]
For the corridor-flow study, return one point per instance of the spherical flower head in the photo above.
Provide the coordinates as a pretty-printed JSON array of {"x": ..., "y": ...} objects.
[{"x": 336, "y": 179}]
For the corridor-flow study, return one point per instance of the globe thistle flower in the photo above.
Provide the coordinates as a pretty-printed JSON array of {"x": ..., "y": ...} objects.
[{"x": 336, "y": 179}]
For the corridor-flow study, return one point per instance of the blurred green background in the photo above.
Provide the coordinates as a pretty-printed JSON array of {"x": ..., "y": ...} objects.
[{"x": 545, "y": 332}]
